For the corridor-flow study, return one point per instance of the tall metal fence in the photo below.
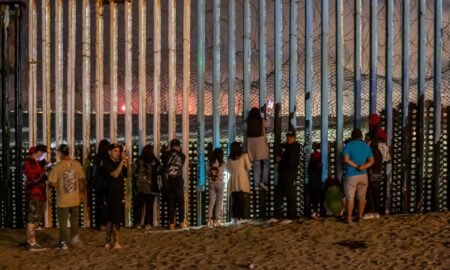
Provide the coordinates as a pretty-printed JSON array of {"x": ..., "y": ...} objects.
[{"x": 147, "y": 71}]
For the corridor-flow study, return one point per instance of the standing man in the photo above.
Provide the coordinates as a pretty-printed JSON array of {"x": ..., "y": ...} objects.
[
  {"x": 115, "y": 169},
  {"x": 69, "y": 181},
  {"x": 357, "y": 157},
  {"x": 173, "y": 162},
  {"x": 287, "y": 175},
  {"x": 35, "y": 192}
]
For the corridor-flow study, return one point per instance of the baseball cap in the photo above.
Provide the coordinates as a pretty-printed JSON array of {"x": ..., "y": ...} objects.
[
  {"x": 40, "y": 147},
  {"x": 175, "y": 142},
  {"x": 290, "y": 134},
  {"x": 113, "y": 146}
]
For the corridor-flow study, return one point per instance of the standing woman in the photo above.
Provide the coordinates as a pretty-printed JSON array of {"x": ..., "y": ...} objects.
[
  {"x": 258, "y": 152},
  {"x": 100, "y": 183},
  {"x": 239, "y": 185},
  {"x": 146, "y": 186},
  {"x": 215, "y": 169}
]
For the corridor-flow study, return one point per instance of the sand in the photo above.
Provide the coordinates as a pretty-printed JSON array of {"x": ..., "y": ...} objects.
[{"x": 391, "y": 242}]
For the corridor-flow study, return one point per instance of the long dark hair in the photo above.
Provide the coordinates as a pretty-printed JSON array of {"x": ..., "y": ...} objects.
[
  {"x": 235, "y": 150},
  {"x": 147, "y": 154},
  {"x": 102, "y": 152},
  {"x": 254, "y": 123},
  {"x": 217, "y": 155}
]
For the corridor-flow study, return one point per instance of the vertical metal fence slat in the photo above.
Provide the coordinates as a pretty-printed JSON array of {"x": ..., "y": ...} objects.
[
  {"x": 437, "y": 100},
  {"x": 99, "y": 46},
  {"x": 293, "y": 63},
  {"x": 309, "y": 38},
  {"x": 172, "y": 69},
  {"x": 357, "y": 67},
  {"x": 339, "y": 87},
  {"x": 200, "y": 106},
  {"x": 388, "y": 100},
  {"x": 405, "y": 101},
  {"x": 216, "y": 74},
  {"x": 324, "y": 90},
  {"x": 113, "y": 58},
  {"x": 70, "y": 98},
  {"x": 231, "y": 72},
  {"x": 86, "y": 94},
  {"x": 262, "y": 56},
  {"x": 373, "y": 55}
]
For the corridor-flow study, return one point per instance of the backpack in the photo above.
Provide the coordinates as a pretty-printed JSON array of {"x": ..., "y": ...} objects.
[{"x": 174, "y": 166}]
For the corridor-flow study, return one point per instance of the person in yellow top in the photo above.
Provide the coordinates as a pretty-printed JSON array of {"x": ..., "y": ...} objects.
[{"x": 68, "y": 178}]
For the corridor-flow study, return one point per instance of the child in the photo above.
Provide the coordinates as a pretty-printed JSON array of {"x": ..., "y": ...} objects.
[
  {"x": 239, "y": 185},
  {"x": 215, "y": 170},
  {"x": 315, "y": 185}
]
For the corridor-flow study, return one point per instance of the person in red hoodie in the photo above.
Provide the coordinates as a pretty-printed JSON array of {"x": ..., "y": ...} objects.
[
  {"x": 35, "y": 192},
  {"x": 377, "y": 135}
]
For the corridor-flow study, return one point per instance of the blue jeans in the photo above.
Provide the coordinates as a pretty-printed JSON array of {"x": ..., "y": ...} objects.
[{"x": 257, "y": 177}]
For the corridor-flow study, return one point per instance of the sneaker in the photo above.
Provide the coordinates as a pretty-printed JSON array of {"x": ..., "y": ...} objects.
[
  {"x": 272, "y": 220},
  {"x": 376, "y": 215},
  {"x": 264, "y": 186},
  {"x": 62, "y": 246},
  {"x": 138, "y": 227},
  {"x": 286, "y": 221},
  {"x": 183, "y": 225},
  {"x": 148, "y": 227},
  {"x": 36, "y": 247},
  {"x": 39, "y": 228},
  {"x": 368, "y": 216},
  {"x": 315, "y": 215}
]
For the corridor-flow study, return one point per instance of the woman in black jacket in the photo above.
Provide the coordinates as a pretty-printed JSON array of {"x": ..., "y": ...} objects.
[
  {"x": 100, "y": 184},
  {"x": 146, "y": 186}
]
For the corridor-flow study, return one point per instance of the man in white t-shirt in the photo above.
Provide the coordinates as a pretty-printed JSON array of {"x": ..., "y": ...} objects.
[{"x": 68, "y": 178}]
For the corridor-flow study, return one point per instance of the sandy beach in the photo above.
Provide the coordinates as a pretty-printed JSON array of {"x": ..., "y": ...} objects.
[{"x": 391, "y": 242}]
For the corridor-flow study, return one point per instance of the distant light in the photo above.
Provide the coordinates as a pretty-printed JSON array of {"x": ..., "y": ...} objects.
[
  {"x": 270, "y": 104},
  {"x": 123, "y": 108}
]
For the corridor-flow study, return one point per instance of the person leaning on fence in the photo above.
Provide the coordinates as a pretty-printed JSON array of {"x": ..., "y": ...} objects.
[
  {"x": 146, "y": 186},
  {"x": 35, "y": 193},
  {"x": 358, "y": 157},
  {"x": 315, "y": 184},
  {"x": 258, "y": 153},
  {"x": 173, "y": 184},
  {"x": 100, "y": 178},
  {"x": 376, "y": 138},
  {"x": 287, "y": 175},
  {"x": 238, "y": 165},
  {"x": 215, "y": 169},
  {"x": 68, "y": 179},
  {"x": 115, "y": 168}
]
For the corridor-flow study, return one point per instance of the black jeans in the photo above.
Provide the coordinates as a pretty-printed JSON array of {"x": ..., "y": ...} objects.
[
  {"x": 238, "y": 204},
  {"x": 285, "y": 191},
  {"x": 100, "y": 209},
  {"x": 174, "y": 195},
  {"x": 373, "y": 197},
  {"x": 147, "y": 200}
]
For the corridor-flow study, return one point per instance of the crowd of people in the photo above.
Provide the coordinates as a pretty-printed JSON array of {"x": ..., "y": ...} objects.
[{"x": 152, "y": 176}]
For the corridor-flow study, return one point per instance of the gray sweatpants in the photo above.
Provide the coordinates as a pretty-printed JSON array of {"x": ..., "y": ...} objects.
[{"x": 216, "y": 190}]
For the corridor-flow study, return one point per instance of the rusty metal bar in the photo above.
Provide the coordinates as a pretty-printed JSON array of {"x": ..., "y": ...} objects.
[
  {"x": 172, "y": 69},
  {"x": 142, "y": 73},
  {"x": 99, "y": 95},
  {"x": 72, "y": 21},
  {"x": 113, "y": 56}
]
